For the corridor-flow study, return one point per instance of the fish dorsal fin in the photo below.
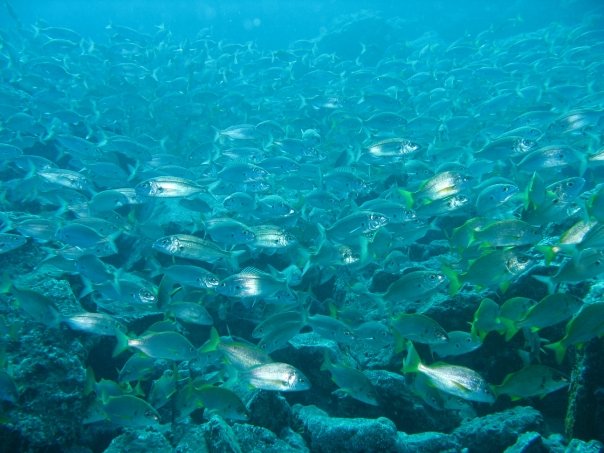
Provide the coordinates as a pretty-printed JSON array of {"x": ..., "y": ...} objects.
[{"x": 251, "y": 270}]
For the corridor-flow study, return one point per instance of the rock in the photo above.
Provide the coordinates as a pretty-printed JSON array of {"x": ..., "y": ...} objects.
[
  {"x": 530, "y": 442},
  {"x": 580, "y": 446},
  {"x": 220, "y": 437},
  {"x": 555, "y": 443},
  {"x": 139, "y": 442},
  {"x": 257, "y": 439},
  {"x": 585, "y": 410},
  {"x": 326, "y": 434},
  {"x": 426, "y": 443},
  {"x": 499, "y": 430},
  {"x": 193, "y": 441},
  {"x": 269, "y": 410},
  {"x": 294, "y": 439},
  {"x": 48, "y": 368}
]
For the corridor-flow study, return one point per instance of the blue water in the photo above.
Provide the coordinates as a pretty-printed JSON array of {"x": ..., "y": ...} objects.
[{"x": 274, "y": 23}]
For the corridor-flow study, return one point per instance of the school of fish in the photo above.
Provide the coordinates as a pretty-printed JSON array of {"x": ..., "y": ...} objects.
[{"x": 209, "y": 201}]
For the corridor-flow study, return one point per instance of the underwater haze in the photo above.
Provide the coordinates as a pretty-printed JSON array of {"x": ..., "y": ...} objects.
[{"x": 301, "y": 226}]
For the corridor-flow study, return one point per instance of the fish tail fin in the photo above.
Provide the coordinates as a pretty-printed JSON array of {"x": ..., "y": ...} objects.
[
  {"x": 454, "y": 280},
  {"x": 412, "y": 361},
  {"x": 122, "y": 343},
  {"x": 503, "y": 287},
  {"x": 213, "y": 342},
  {"x": 327, "y": 364},
  {"x": 509, "y": 329},
  {"x": 549, "y": 252},
  {"x": 400, "y": 343},
  {"x": 477, "y": 333},
  {"x": 87, "y": 289},
  {"x": 547, "y": 281},
  {"x": 321, "y": 240},
  {"x": 217, "y": 135},
  {"x": 234, "y": 259},
  {"x": 6, "y": 283},
  {"x": 90, "y": 381},
  {"x": 559, "y": 350},
  {"x": 407, "y": 198}
]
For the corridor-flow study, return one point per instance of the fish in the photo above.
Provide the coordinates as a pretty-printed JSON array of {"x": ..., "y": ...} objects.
[
  {"x": 37, "y": 306},
  {"x": 458, "y": 343},
  {"x": 195, "y": 248},
  {"x": 162, "y": 389},
  {"x": 356, "y": 225},
  {"x": 242, "y": 173},
  {"x": 251, "y": 283},
  {"x": 493, "y": 268},
  {"x": 194, "y": 276},
  {"x": 99, "y": 324},
  {"x": 168, "y": 187},
  {"x": 277, "y": 321},
  {"x": 586, "y": 324},
  {"x": 331, "y": 328},
  {"x": 506, "y": 147},
  {"x": 66, "y": 178},
  {"x": 506, "y": 233},
  {"x": 241, "y": 355},
  {"x": 138, "y": 367},
  {"x": 414, "y": 285},
  {"x": 452, "y": 379},
  {"x": 130, "y": 411},
  {"x": 351, "y": 382},
  {"x": 240, "y": 203},
  {"x": 279, "y": 338},
  {"x": 276, "y": 376},
  {"x": 272, "y": 237},
  {"x": 10, "y": 242},
  {"x": 532, "y": 380},
  {"x": 487, "y": 319},
  {"x": 83, "y": 236},
  {"x": 512, "y": 311},
  {"x": 376, "y": 333},
  {"x": 549, "y": 311},
  {"x": 437, "y": 187},
  {"x": 229, "y": 232},
  {"x": 216, "y": 400},
  {"x": 109, "y": 200},
  {"x": 271, "y": 207},
  {"x": 393, "y": 147},
  {"x": 419, "y": 328},
  {"x": 190, "y": 312},
  {"x": 162, "y": 345}
]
